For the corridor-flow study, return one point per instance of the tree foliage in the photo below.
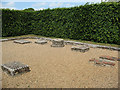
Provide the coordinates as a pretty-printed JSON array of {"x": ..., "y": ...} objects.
[{"x": 29, "y": 9}]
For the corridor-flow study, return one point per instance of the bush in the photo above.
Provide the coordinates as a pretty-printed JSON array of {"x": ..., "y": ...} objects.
[{"x": 95, "y": 22}]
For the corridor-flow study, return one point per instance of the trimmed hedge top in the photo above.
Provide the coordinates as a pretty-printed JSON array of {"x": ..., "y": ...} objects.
[{"x": 95, "y": 22}]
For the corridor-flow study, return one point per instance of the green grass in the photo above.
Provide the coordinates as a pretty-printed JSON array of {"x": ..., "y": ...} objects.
[{"x": 90, "y": 42}]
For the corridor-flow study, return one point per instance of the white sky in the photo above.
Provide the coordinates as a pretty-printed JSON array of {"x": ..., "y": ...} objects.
[{"x": 51, "y": 0}]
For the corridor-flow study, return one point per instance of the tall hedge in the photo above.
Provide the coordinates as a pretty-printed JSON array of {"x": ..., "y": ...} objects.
[{"x": 94, "y": 22}]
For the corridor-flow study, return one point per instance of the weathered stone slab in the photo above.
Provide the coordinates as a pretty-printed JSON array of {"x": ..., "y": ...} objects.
[
  {"x": 92, "y": 45},
  {"x": 57, "y": 43},
  {"x": 41, "y": 41},
  {"x": 80, "y": 48},
  {"x": 22, "y": 41},
  {"x": 107, "y": 47},
  {"x": 15, "y": 67},
  {"x": 115, "y": 48},
  {"x": 3, "y": 40}
]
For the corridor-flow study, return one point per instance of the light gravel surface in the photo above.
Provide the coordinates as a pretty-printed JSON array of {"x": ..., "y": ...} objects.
[{"x": 53, "y": 67}]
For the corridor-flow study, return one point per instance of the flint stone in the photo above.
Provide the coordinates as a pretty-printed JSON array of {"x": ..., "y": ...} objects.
[
  {"x": 15, "y": 67},
  {"x": 22, "y": 41},
  {"x": 41, "y": 41}
]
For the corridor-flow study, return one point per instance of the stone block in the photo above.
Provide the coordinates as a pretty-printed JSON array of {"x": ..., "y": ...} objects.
[
  {"x": 80, "y": 48},
  {"x": 57, "y": 43},
  {"x": 22, "y": 41},
  {"x": 15, "y": 67},
  {"x": 3, "y": 40},
  {"x": 41, "y": 41}
]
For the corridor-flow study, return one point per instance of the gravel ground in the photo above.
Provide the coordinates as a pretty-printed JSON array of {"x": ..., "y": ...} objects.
[{"x": 53, "y": 67}]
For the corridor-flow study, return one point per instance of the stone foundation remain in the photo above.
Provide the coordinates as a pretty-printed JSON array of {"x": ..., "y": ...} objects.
[
  {"x": 107, "y": 59},
  {"x": 66, "y": 43},
  {"x": 41, "y": 41},
  {"x": 80, "y": 48},
  {"x": 14, "y": 68},
  {"x": 3, "y": 40},
  {"x": 57, "y": 43},
  {"x": 22, "y": 41},
  {"x": 104, "y": 61}
]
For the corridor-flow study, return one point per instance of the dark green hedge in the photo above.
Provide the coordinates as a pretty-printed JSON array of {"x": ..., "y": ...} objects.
[{"x": 94, "y": 22}]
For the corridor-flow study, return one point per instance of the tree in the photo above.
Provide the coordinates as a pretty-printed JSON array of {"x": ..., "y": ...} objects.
[{"x": 29, "y": 9}]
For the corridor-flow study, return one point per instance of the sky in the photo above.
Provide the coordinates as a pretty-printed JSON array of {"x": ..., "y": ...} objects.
[{"x": 43, "y": 4}]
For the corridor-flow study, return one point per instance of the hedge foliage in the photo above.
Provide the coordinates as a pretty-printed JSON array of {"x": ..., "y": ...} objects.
[{"x": 94, "y": 22}]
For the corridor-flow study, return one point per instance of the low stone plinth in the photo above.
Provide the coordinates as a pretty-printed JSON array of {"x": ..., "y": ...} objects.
[
  {"x": 3, "y": 40},
  {"x": 14, "y": 68},
  {"x": 41, "y": 41},
  {"x": 57, "y": 43},
  {"x": 22, "y": 41},
  {"x": 80, "y": 48}
]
